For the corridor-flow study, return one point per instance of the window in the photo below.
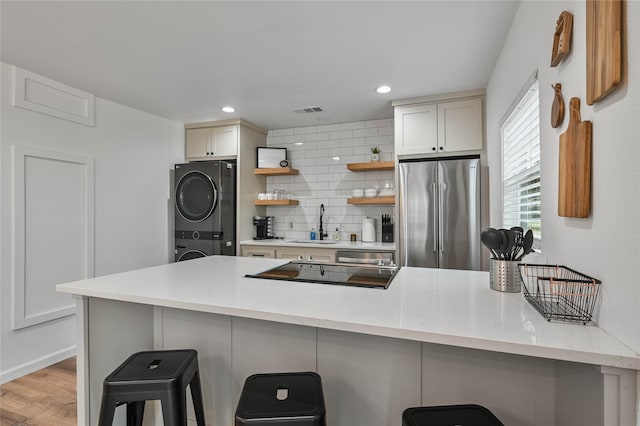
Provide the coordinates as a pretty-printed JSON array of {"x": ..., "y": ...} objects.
[{"x": 521, "y": 163}]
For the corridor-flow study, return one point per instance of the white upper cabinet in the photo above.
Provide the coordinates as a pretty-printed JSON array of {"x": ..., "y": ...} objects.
[
  {"x": 416, "y": 129},
  {"x": 212, "y": 142},
  {"x": 436, "y": 127},
  {"x": 460, "y": 125},
  {"x": 198, "y": 141}
]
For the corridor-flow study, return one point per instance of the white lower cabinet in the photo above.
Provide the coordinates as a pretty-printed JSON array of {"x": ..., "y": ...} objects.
[
  {"x": 306, "y": 254},
  {"x": 318, "y": 255}
]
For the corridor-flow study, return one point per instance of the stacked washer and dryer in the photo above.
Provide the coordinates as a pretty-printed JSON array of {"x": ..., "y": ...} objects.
[{"x": 205, "y": 216}]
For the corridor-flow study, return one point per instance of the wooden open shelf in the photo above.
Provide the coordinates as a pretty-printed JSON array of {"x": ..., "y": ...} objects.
[
  {"x": 371, "y": 166},
  {"x": 278, "y": 171},
  {"x": 276, "y": 202},
  {"x": 371, "y": 200}
]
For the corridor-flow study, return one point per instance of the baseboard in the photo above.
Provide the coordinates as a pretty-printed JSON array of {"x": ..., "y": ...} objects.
[{"x": 37, "y": 364}]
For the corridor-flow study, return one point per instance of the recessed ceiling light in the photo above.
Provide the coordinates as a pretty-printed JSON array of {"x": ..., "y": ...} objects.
[
  {"x": 228, "y": 109},
  {"x": 383, "y": 89}
]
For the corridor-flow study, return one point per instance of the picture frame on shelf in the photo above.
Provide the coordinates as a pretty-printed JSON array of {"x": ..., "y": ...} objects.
[{"x": 269, "y": 158}]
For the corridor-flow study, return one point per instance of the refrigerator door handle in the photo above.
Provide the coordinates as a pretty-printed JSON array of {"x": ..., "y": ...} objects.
[
  {"x": 440, "y": 215},
  {"x": 435, "y": 220}
]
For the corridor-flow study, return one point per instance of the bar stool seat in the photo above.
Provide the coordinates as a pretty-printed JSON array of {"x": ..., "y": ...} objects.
[
  {"x": 154, "y": 375},
  {"x": 282, "y": 399},
  {"x": 447, "y": 415}
]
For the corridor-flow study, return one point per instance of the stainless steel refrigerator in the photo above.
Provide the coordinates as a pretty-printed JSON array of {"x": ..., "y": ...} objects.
[{"x": 439, "y": 211}]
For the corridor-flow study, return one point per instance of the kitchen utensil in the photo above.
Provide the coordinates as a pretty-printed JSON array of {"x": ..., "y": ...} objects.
[
  {"x": 511, "y": 243},
  {"x": 557, "y": 107},
  {"x": 527, "y": 244},
  {"x": 561, "y": 38},
  {"x": 574, "y": 180},
  {"x": 604, "y": 48},
  {"x": 519, "y": 234},
  {"x": 492, "y": 239},
  {"x": 505, "y": 243}
]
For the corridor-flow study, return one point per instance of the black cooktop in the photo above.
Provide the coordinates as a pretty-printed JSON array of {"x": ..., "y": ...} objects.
[{"x": 323, "y": 273}]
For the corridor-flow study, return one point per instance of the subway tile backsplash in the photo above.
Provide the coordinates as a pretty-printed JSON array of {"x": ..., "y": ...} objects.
[{"x": 321, "y": 154}]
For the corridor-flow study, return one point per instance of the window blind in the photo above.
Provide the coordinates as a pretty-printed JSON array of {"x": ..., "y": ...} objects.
[{"x": 521, "y": 165}]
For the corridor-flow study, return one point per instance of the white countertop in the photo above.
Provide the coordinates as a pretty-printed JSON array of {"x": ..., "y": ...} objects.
[
  {"x": 330, "y": 244},
  {"x": 429, "y": 305}
]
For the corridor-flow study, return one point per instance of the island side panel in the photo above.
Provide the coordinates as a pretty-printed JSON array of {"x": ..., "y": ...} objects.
[
  {"x": 116, "y": 330},
  {"x": 368, "y": 380},
  {"x": 210, "y": 335},
  {"x": 519, "y": 390},
  {"x": 269, "y": 347}
]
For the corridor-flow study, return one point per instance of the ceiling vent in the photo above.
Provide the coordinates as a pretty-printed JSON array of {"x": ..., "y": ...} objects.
[{"x": 308, "y": 110}]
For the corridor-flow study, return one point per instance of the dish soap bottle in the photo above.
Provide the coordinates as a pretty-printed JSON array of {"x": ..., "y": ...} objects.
[
  {"x": 313, "y": 234},
  {"x": 337, "y": 235}
]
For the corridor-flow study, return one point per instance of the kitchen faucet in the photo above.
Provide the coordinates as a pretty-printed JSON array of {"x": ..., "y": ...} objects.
[{"x": 320, "y": 231}]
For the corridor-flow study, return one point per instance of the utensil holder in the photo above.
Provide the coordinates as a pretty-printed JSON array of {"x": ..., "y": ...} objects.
[{"x": 504, "y": 275}]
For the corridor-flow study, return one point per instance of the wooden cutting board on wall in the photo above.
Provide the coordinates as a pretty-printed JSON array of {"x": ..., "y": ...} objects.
[
  {"x": 574, "y": 177},
  {"x": 604, "y": 48}
]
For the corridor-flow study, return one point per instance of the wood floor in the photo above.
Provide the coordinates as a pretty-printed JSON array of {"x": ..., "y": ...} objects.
[{"x": 45, "y": 397}]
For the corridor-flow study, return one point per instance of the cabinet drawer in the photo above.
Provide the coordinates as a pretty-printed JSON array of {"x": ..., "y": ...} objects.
[{"x": 258, "y": 251}]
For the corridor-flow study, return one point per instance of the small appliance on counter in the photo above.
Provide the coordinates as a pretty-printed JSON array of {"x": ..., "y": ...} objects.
[
  {"x": 387, "y": 229},
  {"x": 263, "y": 228},
  {"x": 368, "y": 230}
]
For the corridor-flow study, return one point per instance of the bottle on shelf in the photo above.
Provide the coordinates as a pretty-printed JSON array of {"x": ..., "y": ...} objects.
[
  {"x": 337, "y": 235},
  {"x": 313, "y": 234}
]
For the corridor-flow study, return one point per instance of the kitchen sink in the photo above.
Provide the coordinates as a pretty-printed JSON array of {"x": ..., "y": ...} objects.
[{"x": 314, "y": 241}]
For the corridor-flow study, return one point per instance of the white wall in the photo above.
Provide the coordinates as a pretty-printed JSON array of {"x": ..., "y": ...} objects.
[
  {"x": 133, "y": 152},
  {"x": 321, "y": 154},
  {"x": 607, "y": 244}
]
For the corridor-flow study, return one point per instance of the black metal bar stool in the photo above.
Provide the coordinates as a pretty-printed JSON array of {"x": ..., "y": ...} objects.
[
  {"x": 446, "y": 415},
  {"x": 151, "y": 375},
  {"x": 282, "y": 399}
]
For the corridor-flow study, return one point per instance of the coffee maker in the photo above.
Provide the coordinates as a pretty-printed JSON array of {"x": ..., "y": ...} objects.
[{"x": 263, "y": 227}]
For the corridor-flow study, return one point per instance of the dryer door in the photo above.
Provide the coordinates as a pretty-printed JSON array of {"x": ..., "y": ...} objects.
[
  {"x": 196, "y": 196},
  {"x": 190, "y": 254}
]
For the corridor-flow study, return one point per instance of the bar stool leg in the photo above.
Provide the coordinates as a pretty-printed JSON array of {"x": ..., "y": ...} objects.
[
  {"x": 174, "y": 410},
  {"x": 107, "y": 410},
  {"x": 196, "y": 397},
  {"x": 135, "y": 412}
]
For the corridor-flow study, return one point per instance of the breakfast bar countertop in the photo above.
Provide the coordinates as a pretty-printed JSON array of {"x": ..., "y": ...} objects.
[{"x": 449, "y": 307}]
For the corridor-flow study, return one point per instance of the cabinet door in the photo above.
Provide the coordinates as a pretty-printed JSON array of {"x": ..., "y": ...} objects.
[
  {"x": 416, "y": 129},
  {"x": 460, "y": 125},
  {"x": 224, "y": 141},
  {"x": 197, "y": 143},
  {"x": 320, "y": 255},
  {"x": 290, "y": 253},
  {"x": 257, "y": 251}
]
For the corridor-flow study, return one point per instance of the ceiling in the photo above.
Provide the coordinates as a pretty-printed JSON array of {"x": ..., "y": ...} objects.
[{"x": 185, "y": 60}]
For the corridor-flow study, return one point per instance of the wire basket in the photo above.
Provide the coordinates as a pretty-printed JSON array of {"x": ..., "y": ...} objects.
[{"x": 560, "y": 293}]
